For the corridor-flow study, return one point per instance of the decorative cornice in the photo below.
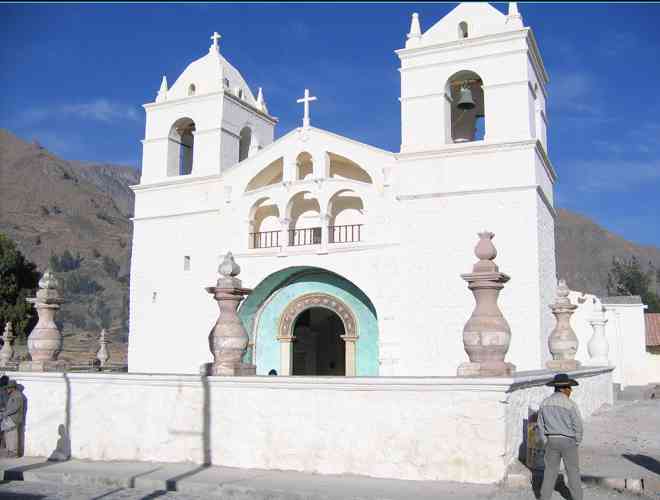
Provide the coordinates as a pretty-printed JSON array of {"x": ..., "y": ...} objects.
[
  {"x": 463, "y": 60},
  {"x": 519, "y": 380},
  {"x": 465, "y": 148},
  {"x": 175, "y": 182},
  {"x": 183, "y": 100},
  {"x": 176, "y": 214},
  {"x": 462, "y": 43}
]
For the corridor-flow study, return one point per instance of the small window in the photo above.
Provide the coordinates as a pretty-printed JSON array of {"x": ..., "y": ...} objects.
[
  {"x": 462, "y": 30},
  {"x": 153, "y": 297},
  {"x": 191, "y": 89},
  {"x": 186, "y": 263},
  {"x": 225, "y": 82},
  {"x": 240, "y": 93}
]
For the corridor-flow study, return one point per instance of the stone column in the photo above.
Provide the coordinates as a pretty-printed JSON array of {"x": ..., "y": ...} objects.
[
  {"x": 103, "y": 355},
  {"x": 228, "y": 339},
  {"x": 563, "y": 343},
  {"x": 487, "y": 335},
  {"x": 324, "y": 219},
  {"x": 45, "y": 340},
  {"x": 286, "y": 355},
  {"x": 284, "y": 240},
  {"x": 7, "y": 351},
  {"x": 350, "y": 345},
  {"x": 597, "y": 346}
]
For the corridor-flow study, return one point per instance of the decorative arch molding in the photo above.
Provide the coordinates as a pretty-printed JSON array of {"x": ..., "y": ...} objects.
[{"x": 308, "y": 301}]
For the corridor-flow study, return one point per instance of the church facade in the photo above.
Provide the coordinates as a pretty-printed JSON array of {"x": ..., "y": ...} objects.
[{"x": 354, "y": 253}]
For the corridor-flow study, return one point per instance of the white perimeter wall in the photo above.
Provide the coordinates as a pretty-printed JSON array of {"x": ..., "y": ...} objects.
[
  {"x": 461, "y": 429},
  {"x": 625, "y": 334}
]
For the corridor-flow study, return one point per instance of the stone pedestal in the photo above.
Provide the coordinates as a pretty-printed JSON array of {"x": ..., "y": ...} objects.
[
  {"x": 45, "y": 341},
  {"x": 486, "y": 336},
  {"x": 563, "y": 343},
  {"x": 228, "y": 339},
  {"x": 7, "y": 361},
  {"x": 103, "y": 355},
  {"x": 597, "y": 346}
]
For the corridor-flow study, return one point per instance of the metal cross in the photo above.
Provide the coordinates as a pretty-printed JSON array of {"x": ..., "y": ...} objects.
[
  {"x": 216, "y": 36},
  {"x": 306, "y": 100}
]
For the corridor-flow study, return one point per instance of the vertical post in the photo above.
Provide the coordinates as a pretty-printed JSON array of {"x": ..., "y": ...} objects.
[
  {"x": 228, "y": 339},
  {"x": 45, "y": 340},
  {"x": 350, "y": 344},
  {"x": 598, "y": 347},
  {"x": 324, "y": 219},
  {"x": 563, "y": 343},
  {"x": 285, "y": 239},
  {"x": 286, "y": 355},
  {"x": 487, "y": 335}
]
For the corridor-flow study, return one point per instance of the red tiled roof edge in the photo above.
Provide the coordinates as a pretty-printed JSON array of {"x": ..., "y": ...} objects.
[{"x": 652, "y": 322}]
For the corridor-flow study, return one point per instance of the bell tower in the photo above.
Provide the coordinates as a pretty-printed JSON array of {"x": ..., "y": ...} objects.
[
  {"x": 206, "y": 122},
  {"x": 476, "y": 75}
]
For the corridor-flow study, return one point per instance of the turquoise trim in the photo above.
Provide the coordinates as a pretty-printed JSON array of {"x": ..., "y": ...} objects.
[{"x": 270, "y": 298}]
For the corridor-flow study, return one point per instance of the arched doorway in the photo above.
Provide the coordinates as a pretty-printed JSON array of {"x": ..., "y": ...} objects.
[
  {"x": 319, "y": 348},
  {"x": 324, "y": 323}
]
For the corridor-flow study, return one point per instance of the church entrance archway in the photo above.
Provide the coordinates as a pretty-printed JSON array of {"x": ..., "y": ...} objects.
[
  {"x": 271, "y": 312},
  {"x": 325, "y": 329},
  {"x": 319, "y": 347}
]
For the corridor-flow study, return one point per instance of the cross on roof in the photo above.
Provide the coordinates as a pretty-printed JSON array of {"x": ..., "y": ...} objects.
[
  {"x": 306, "y": 100},
  {"x": 216, "y": 36}
]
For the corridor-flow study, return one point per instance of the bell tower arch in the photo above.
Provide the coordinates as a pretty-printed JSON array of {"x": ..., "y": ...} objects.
[
  {"x": 474, "y": 55},
  {"x": 211, "y": 94}
]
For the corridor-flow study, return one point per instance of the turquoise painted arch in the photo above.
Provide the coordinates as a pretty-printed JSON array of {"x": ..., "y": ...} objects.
[{"x": 262, "y": 310}]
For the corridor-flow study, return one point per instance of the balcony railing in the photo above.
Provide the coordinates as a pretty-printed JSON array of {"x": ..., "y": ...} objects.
[
  {"x": 265, "y": 239},
  {"x": 344, "y": 234},
  {"x": 351, "y": 233},
  {"x": 307, "y": 236}
]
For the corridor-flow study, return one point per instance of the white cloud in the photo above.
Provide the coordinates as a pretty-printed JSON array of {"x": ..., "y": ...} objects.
[{"x": 101, "y": 110}]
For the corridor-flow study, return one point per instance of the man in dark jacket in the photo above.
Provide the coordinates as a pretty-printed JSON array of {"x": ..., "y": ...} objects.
[{"x": 560, "y": 425}]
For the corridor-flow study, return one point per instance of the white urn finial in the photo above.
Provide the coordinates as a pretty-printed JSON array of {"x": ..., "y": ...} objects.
[{"x": 415, "y": 34}]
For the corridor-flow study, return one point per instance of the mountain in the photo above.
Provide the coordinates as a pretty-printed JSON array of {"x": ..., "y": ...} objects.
[
  {"x": 77, "y": 215},
  {"x": 585, "y": 252}
]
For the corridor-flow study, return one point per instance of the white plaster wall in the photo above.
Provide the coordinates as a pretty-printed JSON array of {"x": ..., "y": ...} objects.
[
  {"x": 430, "y": 429},
  {"x": 625, "y": 334}
]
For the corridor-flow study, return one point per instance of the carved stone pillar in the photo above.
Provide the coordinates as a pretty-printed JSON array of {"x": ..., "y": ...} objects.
[
  {"x": 597, "y": 346},
  {"x": 7, "y": 351},
  {"x": 45, "y": 340},
  {"x": 286, "y": 355},
  {"x": 102, "y": 354},
  {"x": 487, "y": 335},
  {"x": 563, "y": 343},
  {"x": 228, "y": 339}
]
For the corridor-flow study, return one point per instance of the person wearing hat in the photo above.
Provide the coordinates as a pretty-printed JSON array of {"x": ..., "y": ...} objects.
[
  {"x": 560, "y": 425},
  {"x": 12, "y": 418}
]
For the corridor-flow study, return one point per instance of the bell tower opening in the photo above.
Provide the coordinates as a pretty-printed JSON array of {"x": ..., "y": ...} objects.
[
  {"x": 181, "y": 142},
  {"x": 466, "y": 107},
  {"x": 319, "y": 348}
]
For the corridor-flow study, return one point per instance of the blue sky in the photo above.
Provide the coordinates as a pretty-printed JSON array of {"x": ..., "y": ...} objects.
[{"x": 74, "y": 77}]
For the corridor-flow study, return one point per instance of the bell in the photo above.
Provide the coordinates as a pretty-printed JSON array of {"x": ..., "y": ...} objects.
[{"x": 465, "y": 100}]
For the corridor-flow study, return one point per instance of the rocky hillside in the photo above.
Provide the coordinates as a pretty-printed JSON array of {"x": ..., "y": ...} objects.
[
  {"x": 585, "y": 252},
  {"x": 77, "y": 216}
]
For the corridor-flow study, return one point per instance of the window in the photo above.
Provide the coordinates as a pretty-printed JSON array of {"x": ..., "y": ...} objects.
[
  {"x": 186, "y": 263},
  {"x": 225, "y": 82},
  {"x": 191, "y": 89},
  {"x": 239, "y": 93},
  {"x": 181, "y": 143},
  {"x": 244, "y": 143},
  {"x": 462, "y": 30}
]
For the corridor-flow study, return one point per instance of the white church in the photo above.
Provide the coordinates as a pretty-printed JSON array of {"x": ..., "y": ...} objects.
[
  {"x": 384, "y": 234},
  {"x": 354, "y": 256}
]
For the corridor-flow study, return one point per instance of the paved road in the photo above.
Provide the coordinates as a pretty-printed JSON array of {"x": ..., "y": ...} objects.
[{"x": 15, "y": 490}]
